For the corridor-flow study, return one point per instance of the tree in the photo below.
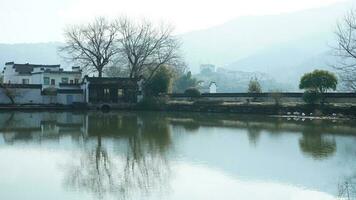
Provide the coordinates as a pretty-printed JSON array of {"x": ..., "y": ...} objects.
[
  {"x": 9, "y": 92},
  {"x": 184, "y": 82},
  {"x": 319, "y": 80},
  {"x": 160, "y": 83},
  {"x": 317, "y": 83},
  {"x": 145, "y": 48},
  {"x": 92, "y": 46},
  {"x": 346, "y": 50},
  {"x": 254, "y": 86}
]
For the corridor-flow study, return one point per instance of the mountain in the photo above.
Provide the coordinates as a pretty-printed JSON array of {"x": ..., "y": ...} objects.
[
  {"x": 281, "y": 46},
  {"x": 293, "y": 59},
  {"x": 37, "y": 53},
  {"x": 270, "y": 44}
]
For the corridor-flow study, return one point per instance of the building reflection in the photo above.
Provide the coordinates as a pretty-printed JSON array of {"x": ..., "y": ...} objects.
[{"x": 120, "y": 155}]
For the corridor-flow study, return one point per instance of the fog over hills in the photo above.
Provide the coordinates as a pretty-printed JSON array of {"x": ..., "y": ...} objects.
[
  {"x": 38, "y": 53},
  {"x": 283, "y": 46},
  {"x": 292, "y": 43}
]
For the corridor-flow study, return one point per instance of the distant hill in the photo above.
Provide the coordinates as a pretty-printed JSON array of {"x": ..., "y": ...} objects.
[
  {"x": 41, "y": 53},
  {"x": 292, "y": 43},
  {"x": 293, "y": 59},
  {"x": 281, "y": 46}
]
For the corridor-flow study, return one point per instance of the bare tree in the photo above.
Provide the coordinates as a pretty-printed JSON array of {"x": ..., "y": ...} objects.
[
  {"x": 346, "y": 50},
  {"x": 9, "y": 92},
  {"x": 144, "y": 47},
  {"x": 91, "y": 45}
]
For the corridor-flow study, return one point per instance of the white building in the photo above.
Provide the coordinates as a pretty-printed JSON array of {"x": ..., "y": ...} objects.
[
  {"x": 212, "y": 87},
  {"x": 45, "y": 75}
]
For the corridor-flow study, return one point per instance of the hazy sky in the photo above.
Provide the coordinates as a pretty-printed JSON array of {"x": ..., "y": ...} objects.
[{"x": 43, "y": 20}]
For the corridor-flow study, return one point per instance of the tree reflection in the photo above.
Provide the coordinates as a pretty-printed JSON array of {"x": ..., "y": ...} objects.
[
  {"x": 253, "y": 133},
  {"x": 347, "y": 189},
  {"x": 313, "y": 143},
  {"x": 138, "y": 166}
]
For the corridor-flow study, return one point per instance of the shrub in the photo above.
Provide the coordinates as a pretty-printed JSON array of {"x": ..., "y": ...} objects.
[
  {"x": 192, "y": 92},
  {"x": 150, "y": 102},
  {"x": 160, "y": 83},
  {"x": 254, "y": 86},
  {"x": 276, "y": 96}
]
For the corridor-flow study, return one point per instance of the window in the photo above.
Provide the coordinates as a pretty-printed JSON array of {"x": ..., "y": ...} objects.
[
  {"x": 25, "y": 81},
  {"x": 64, "y": 80},
  {"x": 71, "y": 82},
  {"x": 76, "y": 81},
  {"x": 46, "y": 80},
  {"x": 120, "y": 92},
  {"x": 53, "y": 82},
  {"x": 106, "y": 92}
]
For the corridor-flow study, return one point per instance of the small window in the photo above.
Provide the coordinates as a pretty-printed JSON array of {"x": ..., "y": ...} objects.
[
  {"x": 76, "y": 81},
  {"x": 46, "y": 80},
  {"x": 106, "y": 92},
  {"x": 120, "y": 92},
  {"x": 25, "y": 81},
  {"x": 64, "y": 80},
  {"x": 53, "y": 82},
  {"x": 71, "y": 81}
]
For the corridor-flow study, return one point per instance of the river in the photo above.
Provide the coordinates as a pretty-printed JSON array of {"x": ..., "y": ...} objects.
[{"x": 174, "y": 156}]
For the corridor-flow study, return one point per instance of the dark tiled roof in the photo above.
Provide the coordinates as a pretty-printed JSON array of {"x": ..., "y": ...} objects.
[
  {"x": 109, "y": 79},
  {"x": 59, "y": 72},
  {"x": 70, "y": 91},
  {"x": 28, "y": 68},
  {"x": 38, "y": 86}
]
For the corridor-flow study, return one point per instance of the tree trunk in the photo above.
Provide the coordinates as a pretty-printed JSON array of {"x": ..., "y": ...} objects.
[{"x": 100, "y": 73}]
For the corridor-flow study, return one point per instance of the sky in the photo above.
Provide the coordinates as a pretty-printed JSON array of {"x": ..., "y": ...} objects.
[{"x": 31, "y": 21}]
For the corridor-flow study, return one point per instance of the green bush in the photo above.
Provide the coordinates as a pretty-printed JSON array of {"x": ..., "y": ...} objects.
[
  {"x": 254, "y": 86},
  {"x": 160, "y": 83},
  {"x": 192, "y": 92},
  {"x": 150, "y": 102},
  {"x": 311, "y": 97}
]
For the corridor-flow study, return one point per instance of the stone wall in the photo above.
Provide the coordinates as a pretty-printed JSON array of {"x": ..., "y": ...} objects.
[{"x": 266, "y": 97}]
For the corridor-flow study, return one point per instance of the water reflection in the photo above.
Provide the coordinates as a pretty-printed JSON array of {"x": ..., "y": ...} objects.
[
  {"x": 347, "y": 188},
  {"x": 134, "y": 155},
  {"x": 142, "y": 167},
  {"x": 317, "y": 145}
]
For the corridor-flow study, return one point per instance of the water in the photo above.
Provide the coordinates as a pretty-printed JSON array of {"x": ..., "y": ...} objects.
[{"x": 174, "y": 156}]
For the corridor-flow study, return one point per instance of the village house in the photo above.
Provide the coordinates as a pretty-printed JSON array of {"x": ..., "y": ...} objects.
[
  {"x": 106, "y": 90},
  {"x": 50, "y": 84},
  {"x": 45, "y": 75}
]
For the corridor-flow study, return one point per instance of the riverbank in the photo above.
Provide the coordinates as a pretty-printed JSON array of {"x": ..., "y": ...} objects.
[
  {"x": 329, "y": 111},
  {"x": 283, "y": 110}
]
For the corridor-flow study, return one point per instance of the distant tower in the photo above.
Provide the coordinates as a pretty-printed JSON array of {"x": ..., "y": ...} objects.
[{"x": 212, "y": 87}]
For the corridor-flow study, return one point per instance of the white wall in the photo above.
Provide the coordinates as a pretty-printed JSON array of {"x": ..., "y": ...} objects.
[
  {"x": 9, "y": 74},
  {"x": 22, "y": 96},
  {"x": 33, "y": 96},
  {"x": 58, "y": 78}
]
